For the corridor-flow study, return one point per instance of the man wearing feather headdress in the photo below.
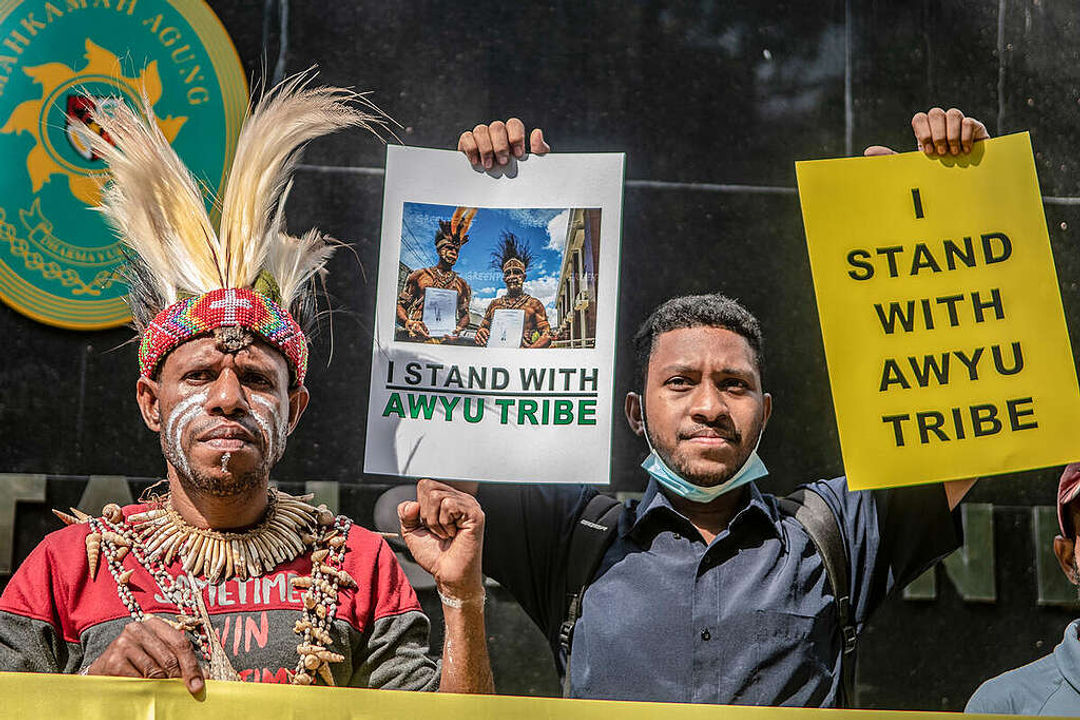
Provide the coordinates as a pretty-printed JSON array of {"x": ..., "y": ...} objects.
[
  {"x": 176, "y": 586},
  {"x": 449, "y": 238},
  {"x": 513, "y": 257}
]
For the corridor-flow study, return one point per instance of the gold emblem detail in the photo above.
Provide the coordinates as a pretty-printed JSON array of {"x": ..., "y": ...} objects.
[{"x": 56, "y": 78}]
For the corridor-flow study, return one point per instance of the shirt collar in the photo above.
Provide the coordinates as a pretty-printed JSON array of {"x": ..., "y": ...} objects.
[
  {"x": 655, "y": 506},
  {"x": 1067, "y": 655}
]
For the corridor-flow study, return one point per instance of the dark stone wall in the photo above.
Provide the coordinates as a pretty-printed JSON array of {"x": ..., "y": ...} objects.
[{"x": 713, "y": 102}]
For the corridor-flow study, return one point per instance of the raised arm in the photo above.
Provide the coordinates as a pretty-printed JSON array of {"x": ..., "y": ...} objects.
[
  {"x": 955, "y": 490},
  {"x": 445, "y": 535}
]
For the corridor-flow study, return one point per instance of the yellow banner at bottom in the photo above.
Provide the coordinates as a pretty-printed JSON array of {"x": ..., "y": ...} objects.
[{"x": 95, "y": 698}]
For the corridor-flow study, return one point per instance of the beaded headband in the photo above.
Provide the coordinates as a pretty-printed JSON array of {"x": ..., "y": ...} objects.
[
  {"x": 225, "y": 307},
  {"x": 514, "y": 262}
]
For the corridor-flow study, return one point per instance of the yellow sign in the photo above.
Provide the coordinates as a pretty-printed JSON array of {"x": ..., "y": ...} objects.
[
  {"x": 93, "y": 698},
  {"x": 941, "y": 315}
]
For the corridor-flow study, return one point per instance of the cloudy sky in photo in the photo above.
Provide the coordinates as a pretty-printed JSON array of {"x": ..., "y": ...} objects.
[{"x": 543, "y": 229}]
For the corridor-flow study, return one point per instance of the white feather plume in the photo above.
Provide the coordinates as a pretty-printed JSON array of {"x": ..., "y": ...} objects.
[
  {"x": 294, "y": 261},
  {"x": 156, "y": 207},
  {"x": 252, "y": 221}
]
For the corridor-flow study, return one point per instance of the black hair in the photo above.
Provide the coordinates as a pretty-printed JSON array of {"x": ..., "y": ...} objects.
[
  {"x": 511, "y": 248},
  {"x": 689, "y": 311}
]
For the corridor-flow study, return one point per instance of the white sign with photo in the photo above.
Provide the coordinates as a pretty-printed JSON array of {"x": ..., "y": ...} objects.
[{"x": 534, "y": 249}]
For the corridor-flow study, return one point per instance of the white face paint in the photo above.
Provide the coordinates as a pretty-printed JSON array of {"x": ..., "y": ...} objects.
[
  {"x": 275, "y": 430},
  {"x": 181, "y": 416}
]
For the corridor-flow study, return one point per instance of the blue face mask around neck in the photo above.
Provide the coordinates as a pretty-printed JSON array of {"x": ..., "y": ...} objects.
[{"x": 751, "y": 470}]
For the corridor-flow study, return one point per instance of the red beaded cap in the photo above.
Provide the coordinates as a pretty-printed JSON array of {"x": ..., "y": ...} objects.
[{"x": 226, "y": 307}]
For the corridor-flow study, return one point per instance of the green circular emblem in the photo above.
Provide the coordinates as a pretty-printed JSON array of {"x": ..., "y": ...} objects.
[{"x": 61, "y": 60}]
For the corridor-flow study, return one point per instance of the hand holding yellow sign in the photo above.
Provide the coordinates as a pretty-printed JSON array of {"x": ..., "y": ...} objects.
[{"x": 944, "y": 333}]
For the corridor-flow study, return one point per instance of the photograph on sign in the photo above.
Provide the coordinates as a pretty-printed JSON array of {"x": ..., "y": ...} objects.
[
  {"x": 941, "y": 314},
  {"x": 478, "y": 270},
  {"x": 498, "y": 277}
]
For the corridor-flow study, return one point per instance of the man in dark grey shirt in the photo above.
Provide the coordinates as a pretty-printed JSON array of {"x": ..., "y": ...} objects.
[
  {"x": 708, "y": 593},
  {"x": 746, "y": 618}
]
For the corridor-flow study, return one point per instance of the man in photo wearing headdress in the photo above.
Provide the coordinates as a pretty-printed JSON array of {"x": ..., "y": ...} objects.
[
  {"x": 449, "y": 238},
  {"x": 221, "y": 576},
  {"x": 513, "y": 257}
]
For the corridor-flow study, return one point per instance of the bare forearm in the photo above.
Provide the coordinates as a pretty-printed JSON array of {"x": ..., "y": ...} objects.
[
  {"x": 466, "y": 667},
  {"x": 444, "y": 529}
]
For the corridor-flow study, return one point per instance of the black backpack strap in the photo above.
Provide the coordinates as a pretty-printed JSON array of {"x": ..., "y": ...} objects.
[
  {"x": 590, "y": 538},
  {"x": 813, "y": 513}
]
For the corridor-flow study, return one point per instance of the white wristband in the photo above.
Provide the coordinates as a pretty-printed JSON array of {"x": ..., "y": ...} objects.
[{"x": 457, "y": 603}]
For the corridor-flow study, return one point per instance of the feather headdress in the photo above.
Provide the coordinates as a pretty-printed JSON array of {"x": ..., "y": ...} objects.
[
  {"x": 156, "y": 207},
  {"x": 455, "y": 230},
  {"x": 511, "y": 251}
]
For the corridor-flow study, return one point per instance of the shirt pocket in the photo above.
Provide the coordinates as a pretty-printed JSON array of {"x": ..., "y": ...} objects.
[{"x": 794, "y": 654}]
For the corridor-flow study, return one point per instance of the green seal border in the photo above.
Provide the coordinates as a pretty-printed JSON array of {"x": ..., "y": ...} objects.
[{"x": 49, "y": 309}]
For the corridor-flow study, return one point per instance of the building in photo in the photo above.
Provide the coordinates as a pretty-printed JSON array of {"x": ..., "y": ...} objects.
[{"x": 576, "y": 299}]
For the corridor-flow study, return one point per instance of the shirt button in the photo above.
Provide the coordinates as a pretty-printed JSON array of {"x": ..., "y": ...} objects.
[
  {"x": 706, "y": 635},
  {"x": 677, "y": 536}
]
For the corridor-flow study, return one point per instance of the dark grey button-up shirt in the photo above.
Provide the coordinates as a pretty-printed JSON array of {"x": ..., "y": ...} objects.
[{"x": 746, "y": 619}]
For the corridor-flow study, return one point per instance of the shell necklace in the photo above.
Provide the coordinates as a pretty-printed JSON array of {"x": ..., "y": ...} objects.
[
  {"x": 251, "y": 553},
  {"x": 286, "y": 532}
]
